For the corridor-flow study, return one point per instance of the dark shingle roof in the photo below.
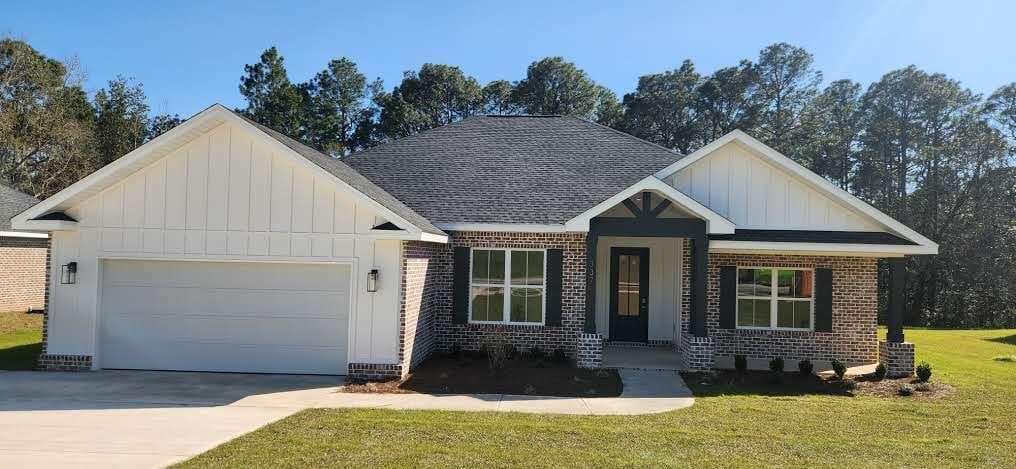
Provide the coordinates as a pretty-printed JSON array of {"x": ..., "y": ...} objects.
[
  {"x": 348, "y": 175},
  {"x": 12, "y": 202},
  {"x": 519, "y": 169}
]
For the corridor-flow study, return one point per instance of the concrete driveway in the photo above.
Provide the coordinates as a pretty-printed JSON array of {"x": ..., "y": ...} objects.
[{"x": 139, "y": 418}]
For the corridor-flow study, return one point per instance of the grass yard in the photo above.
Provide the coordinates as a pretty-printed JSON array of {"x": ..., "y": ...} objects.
[
  {"x": 975, "y": 426},
  {"x": 20, "y": 340}
]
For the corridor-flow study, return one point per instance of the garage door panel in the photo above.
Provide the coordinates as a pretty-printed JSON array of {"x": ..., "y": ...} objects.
[{"x": 155, "y": 317}]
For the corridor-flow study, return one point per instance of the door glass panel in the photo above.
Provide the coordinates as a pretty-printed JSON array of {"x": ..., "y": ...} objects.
[
  {"x": 633, "y": 285},
  {"x": 628, "y": 287}
]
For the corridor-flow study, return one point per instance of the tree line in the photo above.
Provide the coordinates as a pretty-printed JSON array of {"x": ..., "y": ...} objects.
[{"x": 917, "y": 145}]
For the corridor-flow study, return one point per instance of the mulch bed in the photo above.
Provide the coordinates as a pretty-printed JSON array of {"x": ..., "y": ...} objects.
[
  {"x": 520, "y": 376},
  {"x": 794, "y": 384}
]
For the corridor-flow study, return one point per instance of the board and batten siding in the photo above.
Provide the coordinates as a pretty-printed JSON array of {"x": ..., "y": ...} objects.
[
  {"x": 226, "y": 196},
  {"x": 754, "y": 194}
]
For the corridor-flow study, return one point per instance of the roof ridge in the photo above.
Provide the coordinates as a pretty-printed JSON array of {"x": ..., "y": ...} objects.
[{"x": 630, "y": 136}]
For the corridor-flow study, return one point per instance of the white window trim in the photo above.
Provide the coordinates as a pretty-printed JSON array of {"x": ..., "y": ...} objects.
[
  {"x": 507, "y": 287},
  {"x": 774, "y": 299}
]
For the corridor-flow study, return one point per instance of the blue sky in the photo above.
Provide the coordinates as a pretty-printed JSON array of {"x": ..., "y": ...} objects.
[{"x": 189, "y": 55}]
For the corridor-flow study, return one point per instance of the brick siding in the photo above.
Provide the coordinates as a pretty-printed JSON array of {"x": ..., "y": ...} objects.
[
  {"x": 423, "y": 265},
  {"x": 523, "y": 337},
  {"x": 853, "y": 339},
  {"x": 23, "y": 273}
]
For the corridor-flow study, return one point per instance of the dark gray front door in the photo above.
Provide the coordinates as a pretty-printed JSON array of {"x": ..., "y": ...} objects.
[{"x": 629, "y": 294}]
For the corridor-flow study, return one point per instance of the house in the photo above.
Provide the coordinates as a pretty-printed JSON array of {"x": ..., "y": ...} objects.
[
  {"x": 22, "y": 257},
  {"x": 223, "y": 245}
]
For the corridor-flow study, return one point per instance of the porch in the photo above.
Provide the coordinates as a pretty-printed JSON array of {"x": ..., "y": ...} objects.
[{"x": 631, "y": 356}]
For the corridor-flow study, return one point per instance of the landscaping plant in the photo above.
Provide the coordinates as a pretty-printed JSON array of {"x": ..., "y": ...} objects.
[
  {"x": 904, "y": 390},
  {"x": 740, "y": 364},
  {"x": 923, "y": 372},
  {"x": 839, "y": 368},
  {"x": 497, "y": 348},
  {"x": 880, "y": 371},
  {"x": 805, "y": 367},
  {"x": 776, "y": 367}
]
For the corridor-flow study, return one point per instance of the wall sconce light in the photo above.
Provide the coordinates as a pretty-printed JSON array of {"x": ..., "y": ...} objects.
[
  {"x": 372, "y": 280},
  {"x": 69, "y": 273}
]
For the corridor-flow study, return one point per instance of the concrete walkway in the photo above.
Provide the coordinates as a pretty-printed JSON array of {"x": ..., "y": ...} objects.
[{"x": 153, "y": 419}]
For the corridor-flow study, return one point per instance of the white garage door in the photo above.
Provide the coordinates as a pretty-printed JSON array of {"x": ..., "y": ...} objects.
[{"x": 224, "y": 316}]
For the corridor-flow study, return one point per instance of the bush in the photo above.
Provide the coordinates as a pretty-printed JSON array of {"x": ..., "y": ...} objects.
[
  {"x": 535, "y": 353},
  {"x": 923, "y": 372},
  {"x": 922, "y": 387},
  {"x": 497, "y": 348},
  {"x": 805, "y": 367},
  {"x": 880, "y": 371},
  {"x": 740, "y": 364},
  {"x": 776, "y": 365},
  {"x": 456, "y": 350},
  {"x": 839, "y": 368},
  {"x": 904, "y": 390},
  {"x": 560, "y": 356}
]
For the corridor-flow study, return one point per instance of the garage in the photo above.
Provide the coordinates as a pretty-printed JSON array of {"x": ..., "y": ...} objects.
[{"x": 253, "y": 317}]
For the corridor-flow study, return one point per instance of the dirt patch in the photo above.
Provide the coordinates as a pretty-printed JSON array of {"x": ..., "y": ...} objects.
[
  {"x": 472, "y": 375},
  {"x": 867, "y": 386},
  {"x": 795, "y": 384},
  {"x": 19, "y": 321}
]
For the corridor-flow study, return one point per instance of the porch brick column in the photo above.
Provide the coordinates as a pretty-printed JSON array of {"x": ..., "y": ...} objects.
[{"x": 699, "y": 277}]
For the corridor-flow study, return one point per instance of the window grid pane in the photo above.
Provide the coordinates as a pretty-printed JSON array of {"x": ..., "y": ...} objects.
[{"x": 759, "y": 288}]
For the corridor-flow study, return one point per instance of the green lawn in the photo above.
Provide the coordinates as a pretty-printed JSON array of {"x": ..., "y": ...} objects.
[
  {"x": 20, "y": 340},
  {"x": 976, "y": 426}
]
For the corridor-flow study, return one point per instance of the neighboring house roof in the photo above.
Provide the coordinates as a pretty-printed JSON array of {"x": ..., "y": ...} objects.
[
  {"x": 535, "y": 170},
  {"x": 12, "y": 202}
]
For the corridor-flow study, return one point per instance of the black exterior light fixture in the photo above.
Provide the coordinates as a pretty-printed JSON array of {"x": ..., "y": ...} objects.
[
  {"x": 372, "y": 280},
  {"x": 69, "y": 273}
]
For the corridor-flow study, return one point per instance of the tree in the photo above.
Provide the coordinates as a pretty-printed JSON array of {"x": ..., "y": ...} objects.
[
  {"x": 609, "y": 111},
  {"x": 335, "y": 107},
  {"x": 272, "y": 99},
  {"x": 1001, "y": 109},
  {"x": 434, "y": 96},
  {"x": 786, "y": 83},
  {"x": 497, "y": 98},
  {"x": 554, "y": 86},
  {"x": 45, "y": 120},
  {"x": 833, "y": 124},
  {"x": 162, "y": 123},
  {"x": 121, "y": 119},
  {"x": 662, "y": 109},
  {"x": 724, "y": 102}
]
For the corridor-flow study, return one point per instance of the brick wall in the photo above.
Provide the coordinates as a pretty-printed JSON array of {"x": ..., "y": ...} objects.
[
  {"x": 423, "y": 293},
  {"x": 470, "y": 336},
  {"x": 23, "y": 273},
  {"x": 853, "y": 339}
]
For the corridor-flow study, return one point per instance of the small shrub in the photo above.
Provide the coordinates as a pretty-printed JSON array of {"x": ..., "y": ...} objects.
[
  {"x": 904, "y": 390},
  {"x": 839, "y": 368},
  {"x": 923, "y": 372},
  {"x": 849, "y": 384},
  {"x": 805, "y": 367},
  {"x": 880, "y": 371},
  {"x": 512, "y": 352},
  {"x": 922, "y": 387},
  {"x": 497, "y": 348},
  {"x": 535, "y": 353},
  {"x": 776, "y": 365},
  {"x": 456, "y": 350},
  {"x": 560, "y": 356},
  {"x": 740, "y": 364}
]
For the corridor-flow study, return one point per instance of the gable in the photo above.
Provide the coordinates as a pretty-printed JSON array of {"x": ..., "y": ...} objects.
[
  {"x": 225, "y": 192},
  {"x": 744, "y": 187}
]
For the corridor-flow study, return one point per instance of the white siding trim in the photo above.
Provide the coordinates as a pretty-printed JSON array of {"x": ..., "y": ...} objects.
[{"x": 22, "y": 234}]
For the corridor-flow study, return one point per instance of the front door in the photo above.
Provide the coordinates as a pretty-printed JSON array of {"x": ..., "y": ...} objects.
[{"x": 629, "y": 294}]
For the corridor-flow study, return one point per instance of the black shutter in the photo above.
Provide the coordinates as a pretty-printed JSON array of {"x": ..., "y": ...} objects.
[
  {"x": 460, "y": 286},
  {"x": 728, "y": 297},
  {"x": 555, "y": 278},
  {"x": 823, "y": 300}
]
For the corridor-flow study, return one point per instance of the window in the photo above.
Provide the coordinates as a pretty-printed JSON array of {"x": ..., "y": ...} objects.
[
  {"x": 507, "y": 286},
  {"x": 774, "y": 298}
]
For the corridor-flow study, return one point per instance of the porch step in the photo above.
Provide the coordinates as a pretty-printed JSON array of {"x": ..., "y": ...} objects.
[{"x": 623, "y": 344}]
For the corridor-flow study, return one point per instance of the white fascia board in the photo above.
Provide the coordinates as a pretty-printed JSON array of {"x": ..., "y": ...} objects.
[
  {"x": 22, "y": 234},
  {"x": 814, "y": 180},
  {"x": 715, "y": 223},
  {"x": 45, "y": 225},
  {"x": 109, "y": 174},
  {"x": 406, "y": 236},
  {"x": 851, "y": 249},
  {"x": 504, "y": 227}
]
